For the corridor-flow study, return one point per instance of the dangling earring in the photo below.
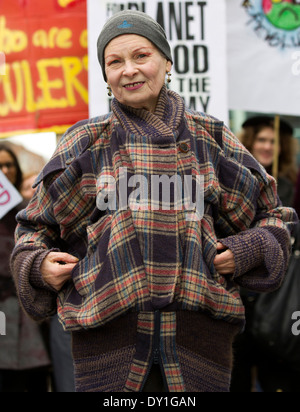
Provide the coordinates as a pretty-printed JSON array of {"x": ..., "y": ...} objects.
[
  {"x": 109, "y": 91},
  {"x": 169, "y": 78}
]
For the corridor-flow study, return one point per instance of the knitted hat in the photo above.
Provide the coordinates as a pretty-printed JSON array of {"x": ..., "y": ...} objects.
[{"x": 132, "y": 22}]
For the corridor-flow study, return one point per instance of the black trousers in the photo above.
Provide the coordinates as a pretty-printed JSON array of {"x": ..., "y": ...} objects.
[{"x": 155, "y": 381}]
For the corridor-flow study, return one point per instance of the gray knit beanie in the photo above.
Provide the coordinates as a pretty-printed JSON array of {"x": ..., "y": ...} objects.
[{"x": 132, "y": 22}]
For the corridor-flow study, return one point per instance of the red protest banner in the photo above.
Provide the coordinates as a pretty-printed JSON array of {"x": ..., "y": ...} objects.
[{"x": 44, "y": 84}]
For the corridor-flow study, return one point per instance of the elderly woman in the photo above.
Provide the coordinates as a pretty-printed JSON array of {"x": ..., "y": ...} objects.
[{"x": 150, "y": 294}]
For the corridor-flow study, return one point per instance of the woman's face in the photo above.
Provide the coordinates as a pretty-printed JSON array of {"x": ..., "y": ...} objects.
[
  {"x": 264, "y": 147},
  {"x": 135, "y": 71},
  {"x": 8, "y": 167},
  {"x": 27, "y": 191}
]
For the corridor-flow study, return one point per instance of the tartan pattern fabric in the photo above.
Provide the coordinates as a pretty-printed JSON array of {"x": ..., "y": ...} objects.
[
  {"x": 117, "y": 272},
  {"x": 143, "y": 354},
  {"x": 154, "y": 264},
  {"x": 169, "y": 356},
  {"x": 146, "y": 333},
  {"x": 152, "y": 151}
]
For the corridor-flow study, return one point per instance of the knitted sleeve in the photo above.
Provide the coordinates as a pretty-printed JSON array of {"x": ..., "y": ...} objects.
[
  {"x": 37, "y": 234},
  {"x": 39, "y": 230},
  {"x": 37, "y": 298},
  {"x": 261, "y": 257}
]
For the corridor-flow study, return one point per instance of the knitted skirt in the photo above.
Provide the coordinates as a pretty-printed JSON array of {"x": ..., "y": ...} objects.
[{"x": 104, "y": 356}]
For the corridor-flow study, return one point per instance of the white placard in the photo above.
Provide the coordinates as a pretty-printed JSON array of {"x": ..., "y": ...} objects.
[
  {"x": 196, "y": 31},
  {"x": 9, "y": 196},
  {"x": 264, "y": 56}
]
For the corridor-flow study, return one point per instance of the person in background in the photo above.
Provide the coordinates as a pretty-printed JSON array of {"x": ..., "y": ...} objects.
[
  {"x": 258, "y": 136},
  {"x": 24, "y": 360},
  {"x": 27, "y": 190},
  {"x": 296, "y": 204}
]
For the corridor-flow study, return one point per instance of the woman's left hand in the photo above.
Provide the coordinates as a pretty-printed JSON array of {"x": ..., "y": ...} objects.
[{"x": 224, "y": 262}]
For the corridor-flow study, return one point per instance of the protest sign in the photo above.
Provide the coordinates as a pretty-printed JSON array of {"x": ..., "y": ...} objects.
[
  {"x": 196, "y": 31},
  {"x": 43, "y": 65},
  {"x": 9, "y": 196},
  {"x": 264, "y": 56}
]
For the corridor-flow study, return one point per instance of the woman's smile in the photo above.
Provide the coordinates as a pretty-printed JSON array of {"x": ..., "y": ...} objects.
[{"x": 134, "y": 86}]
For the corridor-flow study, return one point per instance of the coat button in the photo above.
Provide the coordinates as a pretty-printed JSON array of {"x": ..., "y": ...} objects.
[
  {"x": 184, "y": 148},
  {"x": 70, "y": 160}
]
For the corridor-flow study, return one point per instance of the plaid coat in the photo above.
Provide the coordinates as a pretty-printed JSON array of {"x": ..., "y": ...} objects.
[{"x": 153, "y": 269}]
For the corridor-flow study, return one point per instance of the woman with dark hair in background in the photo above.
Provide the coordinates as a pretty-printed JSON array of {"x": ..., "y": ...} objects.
[
  {"x": 24, "y": 360},
  {"x": 258, "y": 136},
  {"x": 10, "y": 166}
]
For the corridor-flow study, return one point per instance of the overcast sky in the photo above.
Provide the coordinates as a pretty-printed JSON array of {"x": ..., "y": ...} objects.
[{"x": 43, "y": 144}]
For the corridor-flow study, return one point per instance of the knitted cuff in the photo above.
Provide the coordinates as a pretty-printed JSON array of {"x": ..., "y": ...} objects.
[
  {"x": 261, "y": 258},
  {"x": 248, "y": 250},
  {"x": 37, "y": 298},
  {"x": 35, "y": 278}
]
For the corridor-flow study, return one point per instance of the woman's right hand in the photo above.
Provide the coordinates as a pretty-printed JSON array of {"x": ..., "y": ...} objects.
[{"x": 56, "y": 268}]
